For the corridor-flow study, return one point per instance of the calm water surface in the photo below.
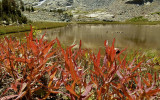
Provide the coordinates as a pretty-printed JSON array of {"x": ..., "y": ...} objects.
[{"x": 93, "y": 36}]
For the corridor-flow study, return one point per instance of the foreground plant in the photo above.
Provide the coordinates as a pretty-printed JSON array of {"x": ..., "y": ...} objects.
[
  {"x": 39, "y": 71},
  {"x": 27, "y": 63}
]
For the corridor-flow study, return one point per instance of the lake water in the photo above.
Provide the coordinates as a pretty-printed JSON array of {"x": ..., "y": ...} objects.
[{"x": 93, "y": 36}]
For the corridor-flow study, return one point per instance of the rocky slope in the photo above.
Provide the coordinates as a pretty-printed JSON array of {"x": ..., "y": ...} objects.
[
  {"x": 91, "y": 4},
  {"x": 89, "y": 10},
  {"x": 123, "y": 10}
]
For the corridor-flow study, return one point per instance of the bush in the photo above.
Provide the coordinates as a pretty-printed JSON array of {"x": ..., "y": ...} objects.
[
  {"x": 39, "y": 70},
  {"x": 9, "y": 11},
  {"x": 13, "y": 18},
  {"x": 32, "y": 9},
  {"x": 24, "y": 19},
  {"x": 6, "y": 18}
]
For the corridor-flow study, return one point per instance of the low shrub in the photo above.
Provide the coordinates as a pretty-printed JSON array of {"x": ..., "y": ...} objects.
[
  {"x": 11, "y": 13},
  {"x": 37, "y": 69}
]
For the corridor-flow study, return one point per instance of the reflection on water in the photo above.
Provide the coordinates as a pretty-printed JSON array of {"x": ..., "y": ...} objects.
[{"x": 93, "y": 36}]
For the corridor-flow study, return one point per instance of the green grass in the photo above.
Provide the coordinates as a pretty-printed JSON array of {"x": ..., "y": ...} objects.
[
  {"x": 144, "y": 55},
  {"x": 98, "y": 22},
  {"x": 26, "y": 27},
  {"x": 126, "y": 22},
  {"x": 138, "y": 19},
  {"x": 155, "y": 13}
]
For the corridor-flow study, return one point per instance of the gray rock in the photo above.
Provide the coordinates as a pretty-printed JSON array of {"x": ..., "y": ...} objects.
[{"x": 119, "y": 9}]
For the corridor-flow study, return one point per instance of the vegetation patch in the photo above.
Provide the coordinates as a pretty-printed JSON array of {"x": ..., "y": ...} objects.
[
  {"x": 26, "y": 27},
  {"x": 126, "y": 22},
  {"x": 156, "y": 13},
  {"x": 100, "y": 22},
  {"x": 11, "y": 13},
  {"x": 37, "y": 69},
  {"x": 138, "y": 19}
]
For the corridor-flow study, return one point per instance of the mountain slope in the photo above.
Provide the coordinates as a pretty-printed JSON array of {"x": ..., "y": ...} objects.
[
  {"x": 74, "y": 3},
  {"x": 119, "y": 10}
]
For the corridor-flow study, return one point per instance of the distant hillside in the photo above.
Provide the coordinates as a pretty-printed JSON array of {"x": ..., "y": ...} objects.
[
  {"x": 107, "y": 10},
  {"x": 65, "y": 3},
  {"x": 88, "y": 4}
]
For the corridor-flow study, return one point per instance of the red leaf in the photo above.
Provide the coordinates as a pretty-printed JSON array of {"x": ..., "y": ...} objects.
[
  {"x": 50, "y": 68},
  {"x": 41, "y": 40},
  {"x": 136, "y": 67},
  {"x": 72, "y": 71},
  {"x": 34, "y": 48},
  {"x": 99, "y": 97},
  {"x": 126, "y": 94},
  {"x": 23, "y": 86},
  {"x": 72, "y": 91},
  {"x": 6, "y": 40},
  {"x": 122, "y": 51},
  {"x": 22, "y": 60},
  {"x": 139, "y": 82},
  {"x": 105, "y": 43},
  {"x": 46, "y": 49},
  {"x": 113, "y": 43},
  {"x": 66, "y": 57},
  {"x": 148, "y": 84},
  {"x": 31, "y": 34},
  {"x": 119, "y": 74},
  {"x": 150, "y": 77},
  {"x": 155, "y": 77},
  {"x": 135, "y": 80},
  {"x": 51, "y": 77},
  {"x": 14, "y": 87},
  {"x": 153, "y": 92},
  {"x": 53, "y": 74},
  {"x": 98, "y": 58},
  {"x": 94, "y": 81},
  {"x": 21, "y": 95},
  {"x": 51, "y": 54},
  {"x": 8, "y": 97}
]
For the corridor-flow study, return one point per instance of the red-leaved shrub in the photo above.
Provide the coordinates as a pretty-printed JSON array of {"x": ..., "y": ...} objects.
[{"x": 38, "y": 69}]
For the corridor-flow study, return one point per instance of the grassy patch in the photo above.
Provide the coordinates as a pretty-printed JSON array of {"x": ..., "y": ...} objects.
[
  {"x": 155, "y": 13},
  {"x": 99, "y": 22},
  {"x": 26, "y": 27},
  {"x": 138, "y": 19},
  {"x": 126, "y": 22}
]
